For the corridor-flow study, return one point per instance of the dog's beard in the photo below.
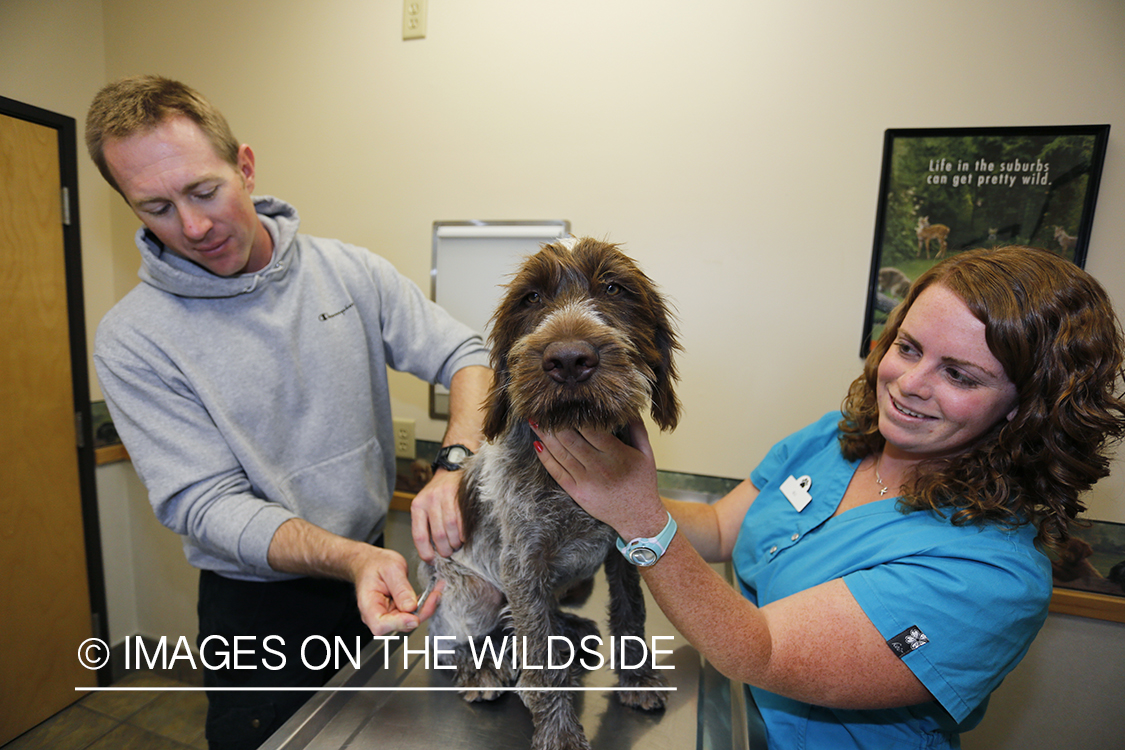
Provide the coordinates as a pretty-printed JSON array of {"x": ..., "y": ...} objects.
[{"x": 616, "y": 393}]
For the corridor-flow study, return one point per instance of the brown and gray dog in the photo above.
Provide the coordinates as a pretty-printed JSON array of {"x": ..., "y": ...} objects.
[{"x": 582, "y": 338}]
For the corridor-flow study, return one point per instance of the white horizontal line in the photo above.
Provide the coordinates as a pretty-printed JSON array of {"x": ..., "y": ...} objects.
[{"x": 169, "y": 689}]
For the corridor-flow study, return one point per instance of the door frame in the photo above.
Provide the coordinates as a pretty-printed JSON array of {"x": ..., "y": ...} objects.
[{"x": 76, "y": 315}]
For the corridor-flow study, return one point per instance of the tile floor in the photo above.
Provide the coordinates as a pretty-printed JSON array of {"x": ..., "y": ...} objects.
[{"x": 140, "y": 720}]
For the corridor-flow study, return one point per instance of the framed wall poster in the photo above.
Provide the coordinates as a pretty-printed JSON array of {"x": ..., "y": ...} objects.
[{"x": 946, "y": 190}]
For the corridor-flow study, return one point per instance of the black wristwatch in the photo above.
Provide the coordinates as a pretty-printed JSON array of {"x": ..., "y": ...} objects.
[{"x": 450, "y": 457}]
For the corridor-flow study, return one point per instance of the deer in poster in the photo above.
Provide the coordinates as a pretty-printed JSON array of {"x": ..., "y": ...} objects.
[
  {"x": 928, "y": 232},
  {"x": 1066, "y": 241}
]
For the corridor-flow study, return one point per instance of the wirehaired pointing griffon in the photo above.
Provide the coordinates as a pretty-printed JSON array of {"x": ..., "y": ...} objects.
[{"x": 582, "y": 338}]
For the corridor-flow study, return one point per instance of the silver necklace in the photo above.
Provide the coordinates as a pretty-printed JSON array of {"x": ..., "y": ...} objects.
[{"x": 878, "y": 478}]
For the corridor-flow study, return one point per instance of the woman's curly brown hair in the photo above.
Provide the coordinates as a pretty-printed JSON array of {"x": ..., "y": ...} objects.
[{"x": 1053, "y": 328}]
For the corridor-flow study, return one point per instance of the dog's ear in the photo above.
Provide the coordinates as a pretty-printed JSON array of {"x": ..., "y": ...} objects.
[
  {"x": 508, "y": 324},
  {"x": 658, "y": 351},
  {"x": 505, "y": 331},
  {"x": 665, "y": 404},
  {"x": 497, "y": 405}
]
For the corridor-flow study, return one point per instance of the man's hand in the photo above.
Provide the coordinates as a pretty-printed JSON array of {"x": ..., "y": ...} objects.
[
  {"x": 435, "y": 518},
  {"x": 382, "y": 587},
  {"x": 386, "y": 600}
]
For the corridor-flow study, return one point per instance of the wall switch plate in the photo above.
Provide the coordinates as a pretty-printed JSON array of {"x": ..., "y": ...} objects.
[
  {"x": 404, "y": 439},
  {"x": 414, "y": 19}
]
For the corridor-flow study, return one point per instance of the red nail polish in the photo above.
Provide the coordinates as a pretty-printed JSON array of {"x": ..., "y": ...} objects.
[
  {"x": 538, "y": 447},
  {"x": 534, "y": 424}
]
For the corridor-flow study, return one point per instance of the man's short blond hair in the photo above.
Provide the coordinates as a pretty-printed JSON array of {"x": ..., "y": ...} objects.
[{"x": 140, "y": 103}]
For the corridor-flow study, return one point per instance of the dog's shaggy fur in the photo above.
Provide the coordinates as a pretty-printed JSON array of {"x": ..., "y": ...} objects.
[{"x": 582, "y": 338}]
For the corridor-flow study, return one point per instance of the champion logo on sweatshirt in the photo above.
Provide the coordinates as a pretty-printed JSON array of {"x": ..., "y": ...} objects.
[{"x": 327, "y": 316}]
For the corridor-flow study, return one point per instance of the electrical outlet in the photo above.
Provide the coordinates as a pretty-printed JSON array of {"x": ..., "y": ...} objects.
[
  {"x": 404, "y": 439},
  {"x": 414, "y": 19}
]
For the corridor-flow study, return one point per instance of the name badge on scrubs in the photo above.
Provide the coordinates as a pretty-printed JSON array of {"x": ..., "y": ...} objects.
[{"x": 796, "y": 491}]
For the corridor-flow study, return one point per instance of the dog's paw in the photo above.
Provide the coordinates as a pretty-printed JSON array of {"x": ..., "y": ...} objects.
[
  {"x": 644, "y": 700},
  {"x": 480, "y": 696},
  {"x": 482, "y": 685},
  {"x": 476, "y": 690}
]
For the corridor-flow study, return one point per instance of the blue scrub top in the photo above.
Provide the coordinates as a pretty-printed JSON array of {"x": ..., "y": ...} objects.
[{"x": 960, "y": 604}]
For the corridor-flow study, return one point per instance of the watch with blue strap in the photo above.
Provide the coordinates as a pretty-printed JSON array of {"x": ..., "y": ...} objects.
[{"x": 646, "y": 551}]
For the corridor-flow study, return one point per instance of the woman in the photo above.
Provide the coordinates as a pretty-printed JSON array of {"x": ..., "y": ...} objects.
[{"x": 890, "y": 559}]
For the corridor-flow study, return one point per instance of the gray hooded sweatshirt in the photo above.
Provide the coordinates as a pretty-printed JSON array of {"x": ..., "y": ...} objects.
[{"x": 245, "y": 401}]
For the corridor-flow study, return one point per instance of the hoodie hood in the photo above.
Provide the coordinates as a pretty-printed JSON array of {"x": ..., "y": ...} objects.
[{"x": 169, "y": 272}]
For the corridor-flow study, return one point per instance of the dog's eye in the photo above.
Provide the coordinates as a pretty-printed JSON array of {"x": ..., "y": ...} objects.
[
  {"x": 532, "y": 299},
  {"x": 612, "y": 289}
]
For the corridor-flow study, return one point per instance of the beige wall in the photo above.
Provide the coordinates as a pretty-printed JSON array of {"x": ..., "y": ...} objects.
[{"x": 735, "y": 151}]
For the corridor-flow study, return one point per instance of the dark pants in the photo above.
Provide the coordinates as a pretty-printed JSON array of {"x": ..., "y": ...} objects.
[{"x": 290, "y": 610}]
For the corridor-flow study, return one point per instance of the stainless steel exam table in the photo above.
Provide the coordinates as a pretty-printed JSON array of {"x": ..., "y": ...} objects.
[{"x": 395, "y": 708}]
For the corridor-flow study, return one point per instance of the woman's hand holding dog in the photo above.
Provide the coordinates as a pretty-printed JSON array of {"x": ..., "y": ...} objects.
[
  {"x": 768, "y": 647},
  {"x": 612, "y": 481}
]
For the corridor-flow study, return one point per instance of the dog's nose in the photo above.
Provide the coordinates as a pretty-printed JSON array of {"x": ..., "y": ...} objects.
[{"x": 570, "y": 361}]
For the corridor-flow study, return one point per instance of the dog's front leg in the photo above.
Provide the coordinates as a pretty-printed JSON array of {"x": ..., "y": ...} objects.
[
  {"x": 627, "y": 617},
  {"x": 471, "y": 613},
  {"x": 532, "y": 608}
]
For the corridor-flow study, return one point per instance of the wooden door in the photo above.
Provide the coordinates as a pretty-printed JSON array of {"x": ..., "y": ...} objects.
[{"x": 45, "y": 599}]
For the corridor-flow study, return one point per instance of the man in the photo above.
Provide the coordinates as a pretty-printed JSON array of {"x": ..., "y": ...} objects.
[{"x": 247, "y": 378}]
